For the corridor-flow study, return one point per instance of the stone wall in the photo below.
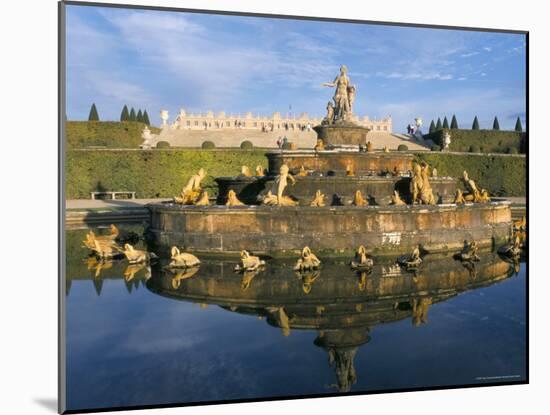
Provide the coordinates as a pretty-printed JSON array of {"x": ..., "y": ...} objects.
[{"x": 330, "y": 230}]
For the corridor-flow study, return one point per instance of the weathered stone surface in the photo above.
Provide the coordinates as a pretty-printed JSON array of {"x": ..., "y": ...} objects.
[
  {"x": 378, "y": 189},
  {"x": 328, "y": 230},
  {"x": 338, "y": 135},
  {"x": 335, "y": 162}
]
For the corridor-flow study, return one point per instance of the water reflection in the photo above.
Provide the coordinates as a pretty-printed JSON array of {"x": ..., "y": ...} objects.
[
  {"x": 341, "y": 305},
  {"x": 316, "y": 331}
]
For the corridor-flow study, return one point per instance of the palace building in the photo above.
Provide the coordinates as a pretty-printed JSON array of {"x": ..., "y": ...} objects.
[{"x": 221, "y": 120}]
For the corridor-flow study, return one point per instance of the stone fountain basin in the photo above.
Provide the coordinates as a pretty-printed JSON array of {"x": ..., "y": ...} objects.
[
  {"x": 338, "y": 160},
  {"x": 378, "y": 189},
  {"x": 331, "y": 231}
]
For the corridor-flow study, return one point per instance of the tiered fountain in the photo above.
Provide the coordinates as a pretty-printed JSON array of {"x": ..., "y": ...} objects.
[{"x": 333, "y": 198}]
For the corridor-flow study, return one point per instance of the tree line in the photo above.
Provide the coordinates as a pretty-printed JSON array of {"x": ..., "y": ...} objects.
[
  {"x": 475, "y": 124},
  {"x": 125, "y": 115}
]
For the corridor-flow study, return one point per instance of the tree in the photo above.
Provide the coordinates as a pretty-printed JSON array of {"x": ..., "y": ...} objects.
[
  {"x": 454, "y": 123},
  {"x": 124, "y": 115},
  {"x": 146, "y": 118},
  {"x": 438, "y": 126},
  {"x": 432, "y": 127},
  {"x": 94, "y": 116},
  {"x": 496, "y": 126},
  {"x": 475, "y": 124},
  {"x": 445, "y": 123},
  {"x": 519, "y": 127},
  {"x": 139, "y": 116},
  {"x": 132, "y": 114}
]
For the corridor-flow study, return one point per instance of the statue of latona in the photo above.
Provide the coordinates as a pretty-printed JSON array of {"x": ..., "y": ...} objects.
[{"x": 343, "y": 98}]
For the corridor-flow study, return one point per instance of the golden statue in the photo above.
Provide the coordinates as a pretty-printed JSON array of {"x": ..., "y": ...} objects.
[
  {"x": 182, "y": 259},
  {"x": 520, "y": 225},
  {"x": 469, "y": 252},
  {"x": 137, "y": 256},
  {"x": 232, "y": 199},
  {"x": 182, "y": 274},
  {"x": 482, "y": 197},
  {"x": 249, "y": 262},
  {"x": 275, "y": 195},
  {"x": 386, "y": 149},
  {"x": 426, "y": 193},
  {"x": 302, "y": 172},
  {"x": 103, "y": 246},
  {"x": 434, "y": 172},
  {"x": 459, "y": 197},
  {"x": 245, "y": 171},
  {"x": 350, "y": 171},
  {"x": 513, "y": 248},
  {"x": 358, "y": 199},
  {"x": 396, "y": 199},
  {"x": 361, "y": 261},
  {"x": 320, "y": 145},
  {"x": 411, "y": 261},
  {"x": 260, "y": 172},
  {"x": 416, "y": 183},
  {"x": 318, "y": 200},
  {"x": 470, "y": 185},
  {"x": 192, "y": 190},
  {"x": 307, "y": 261},
  {"x": 203, "y": 199},
  {"x": 370, "y": 147}
]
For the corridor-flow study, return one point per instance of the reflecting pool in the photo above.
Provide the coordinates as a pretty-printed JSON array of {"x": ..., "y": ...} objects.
[{"x": 141, "y": 335}]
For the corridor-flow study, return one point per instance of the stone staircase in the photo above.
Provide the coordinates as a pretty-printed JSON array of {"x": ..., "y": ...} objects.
[{"x": 303, "y": 139}]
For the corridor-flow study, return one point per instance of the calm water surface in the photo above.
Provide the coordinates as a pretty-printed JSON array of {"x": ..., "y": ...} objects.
[{"x": 138, "y": 336}]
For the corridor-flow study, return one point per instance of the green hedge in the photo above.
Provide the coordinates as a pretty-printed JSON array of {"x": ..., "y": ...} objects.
[
  {"x": 110, "y": 134},
  {"x": 162, "y": 173},
  {"x": 487, "y": 141},
  {"x": 151, "y": 173},
  {"x": 500, "y": 175}
]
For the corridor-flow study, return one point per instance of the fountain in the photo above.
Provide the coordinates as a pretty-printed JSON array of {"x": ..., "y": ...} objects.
[{"x": 402, "y": 206}]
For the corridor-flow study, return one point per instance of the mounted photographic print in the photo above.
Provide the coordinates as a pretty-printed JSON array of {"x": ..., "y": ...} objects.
[{"x": 276, "y": 207}]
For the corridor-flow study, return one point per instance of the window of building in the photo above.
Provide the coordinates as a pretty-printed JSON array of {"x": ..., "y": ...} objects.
[
  {"x": 385, "y": 128},
  {"x": 378, "y": 127},
  {"x": 188, "y": 123},
  {"x": 255, "y": 124},
  {"x": 196, "y": 123},
  {"x": 228, "y": 124}
]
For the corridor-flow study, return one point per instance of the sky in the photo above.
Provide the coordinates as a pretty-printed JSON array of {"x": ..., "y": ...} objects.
[{"x": 170, "y": 60}]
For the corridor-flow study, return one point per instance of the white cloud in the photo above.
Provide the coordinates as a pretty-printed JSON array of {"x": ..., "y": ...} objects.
[
  {"x": 469, "y": 54},
  {"x": 487, "y": 49}
]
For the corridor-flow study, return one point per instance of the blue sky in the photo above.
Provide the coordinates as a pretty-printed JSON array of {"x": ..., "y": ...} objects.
[{"x": 168, "y": 60}]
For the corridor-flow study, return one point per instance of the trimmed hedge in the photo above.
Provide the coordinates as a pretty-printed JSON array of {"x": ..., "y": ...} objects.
[
  {"x": 110, "y": 134},
  {"x": 500, "y": 175},
  {"x": 151, "y": 173},
  {"x": 208, "y": 145},
  {"x": 162, "y": 173},
  {"x": 163, "y": 144},
  {"x": 402, "y": 147},
  {"x": 247, "y": 145},
  {"x": 488, "y": 141}
]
